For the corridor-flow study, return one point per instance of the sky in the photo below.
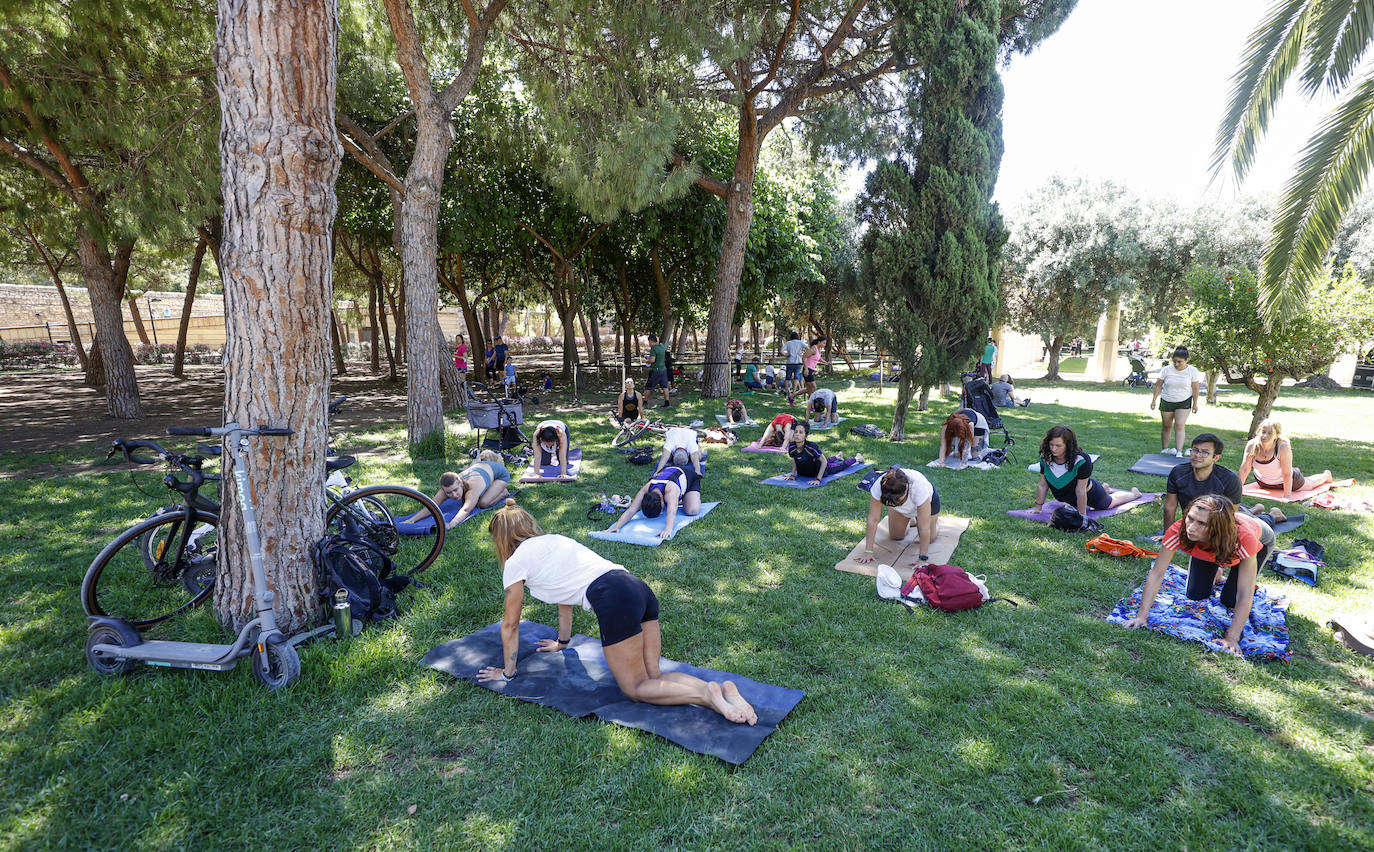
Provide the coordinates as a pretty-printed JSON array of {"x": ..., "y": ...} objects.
[{"x": 1133, "y": 92}]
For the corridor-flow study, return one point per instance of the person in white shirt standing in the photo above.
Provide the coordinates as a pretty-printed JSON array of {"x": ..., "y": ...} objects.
[
  {"x": 557, "y": 570},
  {"x": 1176, "y": 391}
]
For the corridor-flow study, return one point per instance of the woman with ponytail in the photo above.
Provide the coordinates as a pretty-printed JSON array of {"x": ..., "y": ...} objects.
[{"x": 558, "y": 570}]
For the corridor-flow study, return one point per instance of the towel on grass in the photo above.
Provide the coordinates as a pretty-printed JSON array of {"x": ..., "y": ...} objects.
[
  {"x": 1157, "y": 464},
  {"x": 724, "y": 421},
  {"x": 449, "y": 509},
  {"x": 578, "y": 682},
  {"x": 901, "y": 553},
  {"x": 1034, "y": 467},
  {"x": 1253, "y": 489},
  {"x": 1265, "y": 637},
  {"x": 642, "y": 530},
  {"x": 954, "y": 462},
  {"x": 817, "y": 427},
  {"x": 1047, "y": 511},
  {"x": 549, "y": 472},
  {"x": 803, "y": 482}
]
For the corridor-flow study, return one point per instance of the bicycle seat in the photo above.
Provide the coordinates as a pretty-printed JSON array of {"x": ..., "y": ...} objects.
[{"x": 338, "y": 463}]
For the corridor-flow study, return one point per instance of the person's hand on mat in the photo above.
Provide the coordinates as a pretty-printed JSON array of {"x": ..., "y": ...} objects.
[
  {"x": 491, "y": 673},
  {"x": 664, "y": 533},
  {"x": 788, "y": 477},
  {"x": 547, "y": 645},
  {"x": 816, "y": 481},
  {"x": 1038, "y": 508},
  {"x": 1228, "y": 645},
  {"x": 865, "y": 557},
  {"x": 1138, "y": 621}
]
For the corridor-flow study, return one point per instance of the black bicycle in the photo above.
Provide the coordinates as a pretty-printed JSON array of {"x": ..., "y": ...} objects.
[{"x": 165, "y": 564}]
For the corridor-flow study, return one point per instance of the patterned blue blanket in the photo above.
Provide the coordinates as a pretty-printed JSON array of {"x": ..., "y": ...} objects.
[{"x": 1264, "y": 638}]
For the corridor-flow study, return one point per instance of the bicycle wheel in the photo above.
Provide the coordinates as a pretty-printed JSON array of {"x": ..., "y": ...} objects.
[
  {"x": 629, "y": 434},
  {"x": 375, "y": 510},
  {"x": 121, "y": 584}
]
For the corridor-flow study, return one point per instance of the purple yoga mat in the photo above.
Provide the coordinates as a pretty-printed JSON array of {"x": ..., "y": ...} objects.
[
  {"x": 756, "y": 447},
  {"x": 1047, "y": 511}
]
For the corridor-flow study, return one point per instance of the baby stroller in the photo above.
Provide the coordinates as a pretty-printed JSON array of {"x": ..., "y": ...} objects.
[
  {"x": 977, "y": 395},
  {"x": 1138, "y": 377}
]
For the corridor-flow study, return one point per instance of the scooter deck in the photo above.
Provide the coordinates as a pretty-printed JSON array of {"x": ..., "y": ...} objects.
[{"x": 180, "y": 655}]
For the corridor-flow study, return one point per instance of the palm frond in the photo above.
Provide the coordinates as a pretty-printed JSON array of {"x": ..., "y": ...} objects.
[
  {"x": 1355, "y": 41},
  {"x": 1271, "y": 55},
  {"x": 1329, "y": 21},
  {"x": 1332, "y": 172}
]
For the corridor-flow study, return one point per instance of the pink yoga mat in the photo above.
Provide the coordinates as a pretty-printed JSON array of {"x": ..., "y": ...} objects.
[
  {"x": 1047, "y": 511},
  {"x": 1254, "y": 490},
  {"x": 756, "y": 447}
]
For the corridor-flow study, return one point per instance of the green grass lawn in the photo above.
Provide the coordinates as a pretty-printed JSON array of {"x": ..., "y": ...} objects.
[{"x": 1039, "y": 725}]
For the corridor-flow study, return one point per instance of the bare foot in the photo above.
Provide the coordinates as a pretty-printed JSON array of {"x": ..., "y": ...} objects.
[
  {"x": 1258, "y": 509},
  {"x": 722, "y": 706},
  {"x": 1277, "y": 514},
  {"x": 732, "y": 695},
  {"x": 1135, "y": 492}
]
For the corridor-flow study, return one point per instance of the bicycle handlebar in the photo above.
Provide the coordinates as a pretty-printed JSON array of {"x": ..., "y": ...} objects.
[
  {"x": 335, "y": 403},
  {"x": 199, "y": 431}
]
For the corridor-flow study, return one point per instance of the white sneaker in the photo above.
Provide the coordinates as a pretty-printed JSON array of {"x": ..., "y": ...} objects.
[{"x": 1168, "y": 451}]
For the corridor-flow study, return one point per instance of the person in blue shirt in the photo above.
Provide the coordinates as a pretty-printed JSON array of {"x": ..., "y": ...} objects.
[
  {"x": 498, "y": 354},
  {"x": 509, "y": 377}
]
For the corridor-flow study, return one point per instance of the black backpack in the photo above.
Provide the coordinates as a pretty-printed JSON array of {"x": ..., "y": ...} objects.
[
  {"x": 1069, "y": 519},
  {"x": 348, "y": 560},
  {"x": 864, "y": 430}
]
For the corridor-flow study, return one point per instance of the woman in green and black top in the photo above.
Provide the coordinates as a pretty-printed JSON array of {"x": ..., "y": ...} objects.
[{"x": 1067, "y": 471}]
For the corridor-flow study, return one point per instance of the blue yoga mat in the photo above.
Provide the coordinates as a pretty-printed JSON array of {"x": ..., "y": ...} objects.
[
  {"x": 642, "y": 530},
  {"x": 578, "y": 683},
  {"x": 817, "y": 427},
  {"x": 806, "y": 483},
  {"x": 1157, "y": 464},
  {"x": 449, "y": 508}
]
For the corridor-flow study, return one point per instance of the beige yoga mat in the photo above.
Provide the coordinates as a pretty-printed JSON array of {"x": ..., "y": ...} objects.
[{"x": 899, "y": 554}]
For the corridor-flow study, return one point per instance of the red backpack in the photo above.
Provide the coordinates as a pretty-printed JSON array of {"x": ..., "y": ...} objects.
[{"x": 945, "y": 587}]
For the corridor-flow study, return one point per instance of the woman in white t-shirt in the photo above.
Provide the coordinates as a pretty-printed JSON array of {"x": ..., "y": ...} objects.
[
  {"x": 1176, "y": 392},
  {"x": 908, "y": 496},
  {"x": 557, "y": 570},
  {"x": 681, "y": 448}
]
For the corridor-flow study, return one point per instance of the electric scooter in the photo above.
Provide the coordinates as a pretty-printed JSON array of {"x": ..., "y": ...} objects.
[{"x": 114, "y": 646}]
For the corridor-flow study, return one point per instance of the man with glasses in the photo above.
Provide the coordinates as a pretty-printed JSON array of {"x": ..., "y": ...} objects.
[{"x": 1201, "y": 474}]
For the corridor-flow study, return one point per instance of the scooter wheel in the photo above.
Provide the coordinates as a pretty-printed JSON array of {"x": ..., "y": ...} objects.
[
  {"x": 106, "y": 664},
  {"x": 283, "y": 666}
]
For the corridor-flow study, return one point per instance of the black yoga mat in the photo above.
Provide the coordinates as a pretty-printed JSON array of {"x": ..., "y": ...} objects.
[{"x": 578, "y": 682}]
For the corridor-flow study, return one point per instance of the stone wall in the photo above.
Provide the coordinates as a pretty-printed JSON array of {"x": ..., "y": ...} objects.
[{"x": 28, "y": 305}]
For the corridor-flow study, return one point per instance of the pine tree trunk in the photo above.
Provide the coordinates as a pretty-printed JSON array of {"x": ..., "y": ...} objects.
[
  {"x": 586, "y": 334},
  {"x": 1052, "y": 374},
  {"x": 386, "y": 333},
  {"x": 1212, "y": 377},
  {"x": 923, "y": 404},
  {"x": 739, "y": 215},
  {"x": 904, "y": 392},
  {"x": 594, "y": 319},
  {"x": 95, "y": 371},
  {"x": 1265, "y": 404},
  {"x": 665, "y": 296},
  {"x": 116, "y": 358},
  {"x": 373, "y": 332},
  {"x": 275, "y": 68},
  {"x": 138, "y": 321},
  {"x": 192, "y": 279},
  {"x": 73, "y": 332},
  {"x": 336, "y": 344},
  {"x": 419, "y": 253}
]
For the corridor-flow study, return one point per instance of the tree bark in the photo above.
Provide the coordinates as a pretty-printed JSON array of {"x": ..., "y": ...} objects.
[
  {"x": 1212, "y": 377},
  {"x": 391, "y": 360},
  {"x": 138, "y": 321},
  {"x": 1052, "y": 374},
  {"x": 1265, "y": 404},
  {"x": 106, "y": 290},
  {"x": 663, "y": 290},
  {"x": 594, "y": 319},
  {"x": 192, "y": 279},
  {"x": 275, "y": 68},
  {"x": 95, "y": 372},
  {"x": 373, "y": 332},
  {"x": 586, "y": 334},
  {"x": 336, "y": 344},
  {"x": 739, "y": 215},
  {"x": 904, "y": 394},
  {"x": 73, "y": 332}
]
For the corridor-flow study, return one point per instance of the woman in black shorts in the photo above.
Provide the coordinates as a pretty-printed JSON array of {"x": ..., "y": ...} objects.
[
  {"x": 555, "y": 569},
  {"x": 1066, "y": 471}
]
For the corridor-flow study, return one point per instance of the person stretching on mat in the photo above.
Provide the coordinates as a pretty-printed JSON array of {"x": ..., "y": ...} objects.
[
  {"x": 680, "y": 447},
  {"x": 1202, "y": 474},
  {"x": 627, "y": 404},
  {"x": 481, "y": 484},
  {"x": 1214, "y": 536},
  {"x": 551, "y": 440},
  {"x": 662, "y": 492},
  {"x": 808, "y": 462},
  {"x": 823, "y": 408},
  {"x": 1176, "y": 392},
  {"x": 1066, "y": 471},
  {"x": 735, "y": 412},
  {"x": 908, "y": 496},
  {"x": 1270, "y": 456},
  {"x": 958, "y": 436},
  {"x": 779, "y": 432},
  {"x": 557, "y": 570}
]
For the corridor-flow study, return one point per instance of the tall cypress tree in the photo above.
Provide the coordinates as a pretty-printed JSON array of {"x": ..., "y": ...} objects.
[{"x": 933, "y": 246}]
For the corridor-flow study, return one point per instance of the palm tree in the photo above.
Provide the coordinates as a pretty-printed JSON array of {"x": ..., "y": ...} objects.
[{"x": 1324, "y": 41}]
